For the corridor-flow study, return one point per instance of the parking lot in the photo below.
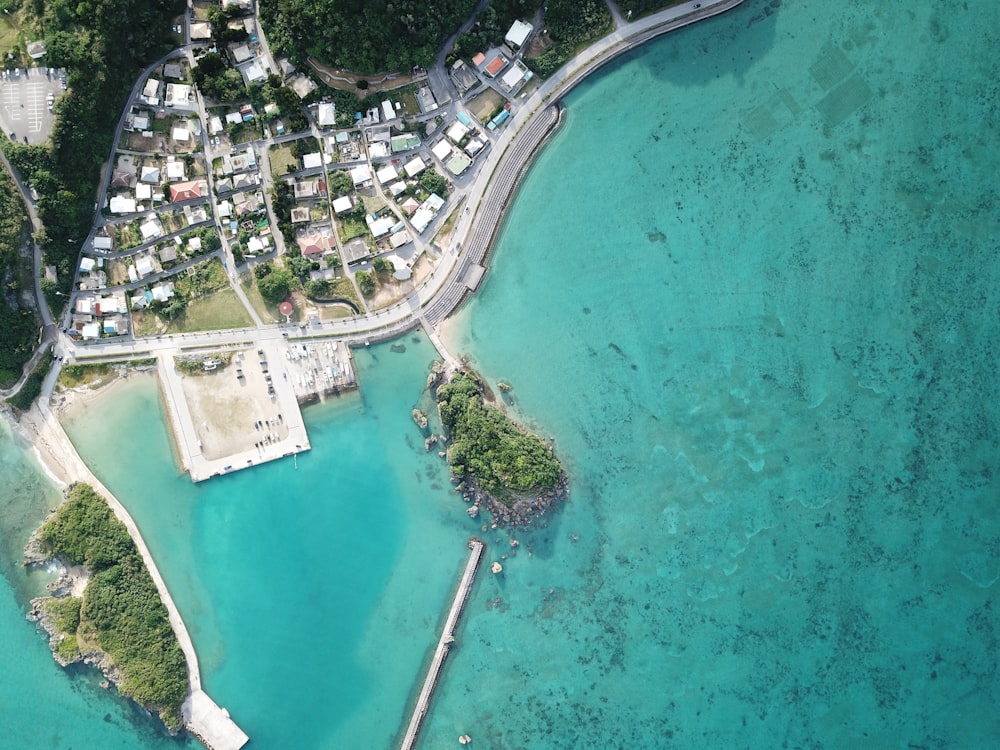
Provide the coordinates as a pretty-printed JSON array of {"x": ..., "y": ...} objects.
[{"x": 25, "y": 102}]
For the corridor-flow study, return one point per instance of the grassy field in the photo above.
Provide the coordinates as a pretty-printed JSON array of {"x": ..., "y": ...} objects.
[
  {"x": 280, "y": 157},
  {"x": 449, "y": 223},
  {"x": 484, "y": 105},
  {"x": 216, "y": 311},
  {"x": 349, "y": 227},
  {"x": 92, "y": 376},
  {"x": 8, "y": 34}
]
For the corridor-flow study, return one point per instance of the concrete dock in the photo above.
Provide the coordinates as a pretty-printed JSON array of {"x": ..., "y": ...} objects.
[
  {"x": 267, "y": 414},
  {"x": 444, "y": 644}
]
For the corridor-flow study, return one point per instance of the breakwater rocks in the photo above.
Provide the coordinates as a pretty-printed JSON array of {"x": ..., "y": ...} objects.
[
  {"x": 497, "y": 465},
  {"x": 526, "y": 510}
]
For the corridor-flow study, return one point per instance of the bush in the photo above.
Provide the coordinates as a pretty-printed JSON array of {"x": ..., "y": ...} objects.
[
  {"x": 488, "y": 446},
  {"x": 277, "y": 285},
  {"x": 120, "y": 604},
  {"x": 366, "y": 283}
]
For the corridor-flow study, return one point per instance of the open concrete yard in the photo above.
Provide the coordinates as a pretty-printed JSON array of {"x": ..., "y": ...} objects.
[
  {"x": 233, "y": 414},
  {"x": 24, "y": 103}
]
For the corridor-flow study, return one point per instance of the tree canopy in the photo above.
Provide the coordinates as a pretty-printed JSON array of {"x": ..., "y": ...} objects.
[
  {"x": 366, "y": 36},
  {"x": 121, "y": 604},
  {"x": 488, "y": 446}
]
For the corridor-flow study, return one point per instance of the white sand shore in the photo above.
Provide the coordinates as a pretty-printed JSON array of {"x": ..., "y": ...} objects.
[{"x": 41, "y": 428}]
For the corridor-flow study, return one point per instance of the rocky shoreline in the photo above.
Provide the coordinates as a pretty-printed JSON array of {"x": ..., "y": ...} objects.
[
  {"x": 517, "y": 508},
  {"x": 525, "y": 511},
  {"x": 71, "y": 582}
]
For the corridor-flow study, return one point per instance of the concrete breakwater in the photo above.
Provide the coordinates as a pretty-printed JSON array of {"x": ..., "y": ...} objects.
[
  {"x": 444, "y": 644},
  {"x": 203, "y": 718}
]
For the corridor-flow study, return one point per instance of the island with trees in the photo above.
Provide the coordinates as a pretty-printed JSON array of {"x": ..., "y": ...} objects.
[
  {"x": 511, "y": 471},
  {"x": 118, "y": 622}
]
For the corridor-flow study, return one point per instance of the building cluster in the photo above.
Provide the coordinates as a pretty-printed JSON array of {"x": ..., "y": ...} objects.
[{"x": 186, "y": 182}]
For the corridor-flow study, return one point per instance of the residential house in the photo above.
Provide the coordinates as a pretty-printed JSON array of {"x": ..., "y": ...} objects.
[
  {"x": 185, "y": 191},
  {"x": 442, "y": 150},
  {"x": 122, "y": 204},
  {"x": 518, "y": 34},
  {"x": 414, "y": 166},
  {"x": 457, "y": 132},
  {"x": 342, "y": 205},
  {"x": 386, "y": 174},
  {"x": 361, "y": 175}
]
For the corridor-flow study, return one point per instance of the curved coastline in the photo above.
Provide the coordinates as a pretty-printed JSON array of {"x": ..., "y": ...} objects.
[
  {"x": 203, "y": 718},
  {"x": 488, "y": 204},
  {"x": 522, "y": 145}
]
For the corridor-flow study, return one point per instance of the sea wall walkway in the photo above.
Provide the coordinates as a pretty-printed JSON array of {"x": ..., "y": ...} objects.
[
  {"x": 202, "y": 716},
  {"x": 536, "y": 120},
  {"x": 444, "y": 644}
]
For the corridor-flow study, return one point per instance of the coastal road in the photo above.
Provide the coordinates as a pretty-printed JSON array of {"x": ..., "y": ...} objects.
[{"x": 486, "y": 200}]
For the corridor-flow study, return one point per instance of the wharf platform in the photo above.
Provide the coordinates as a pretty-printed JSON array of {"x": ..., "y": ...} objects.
[
  {"x": 243, "y": 415},
  {"x": 444, "y": 644}
]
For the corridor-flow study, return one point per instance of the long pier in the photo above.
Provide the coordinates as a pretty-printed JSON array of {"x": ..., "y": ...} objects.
[
  {"x": 202, "y": 716},
  {"x": 444, "y": 644}
]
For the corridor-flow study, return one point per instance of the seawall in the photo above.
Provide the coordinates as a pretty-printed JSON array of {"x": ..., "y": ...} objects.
[{"x": 202, "y": 716}]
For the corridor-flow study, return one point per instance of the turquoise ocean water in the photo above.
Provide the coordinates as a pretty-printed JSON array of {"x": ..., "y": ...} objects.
[{"x": 764, "y": 254}]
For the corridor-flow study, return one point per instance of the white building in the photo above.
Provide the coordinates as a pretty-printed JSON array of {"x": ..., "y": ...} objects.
[
  {"x": 361, "y": 174},
  {"x": 414, "y": 166},
  {"x": 442, "y": 150},
  {"x": 457, "y": 132},
  {"x": 388, "y": 113},
  {"x": 340, "y": 205},
  {"x": 122, "y": 204},
  {"x": 326, "y": 115},
  {"x": 518, "y": 33},
  {"x": 380, "y": 227},
  {"x": 386, "y": 174}
]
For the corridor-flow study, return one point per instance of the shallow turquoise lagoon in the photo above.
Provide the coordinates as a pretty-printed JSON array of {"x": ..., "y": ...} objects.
[
  {"x": 43, "y": 706},
  {"x": 751, "y": 289},
  {"x": 312, "y": 588}
]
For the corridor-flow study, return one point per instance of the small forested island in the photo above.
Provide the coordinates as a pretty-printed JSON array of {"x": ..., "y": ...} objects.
[
  {"x": 511, "y": 471},
  {"x": 118, "y": 624}
]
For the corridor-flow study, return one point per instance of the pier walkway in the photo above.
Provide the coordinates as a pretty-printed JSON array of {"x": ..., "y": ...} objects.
[
  {"x": 444, "y": 645},
  {"x": 203, "y": 717}
]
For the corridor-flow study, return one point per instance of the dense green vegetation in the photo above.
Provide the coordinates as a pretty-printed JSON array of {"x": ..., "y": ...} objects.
[
  {"x": 366, "y": 36},
  {"x": 32, "y": 385},
  {"x": 366, "y": 283},
  {"x": 571, "y": 24},
  {"x": 216, "y": 80},
  {"x": 103, "y": 44},
  {"x": 492, "y": 24},
  {"x": 65, "y": 613},
  {"x": 275, "y": 283},
  {"x": 486, "y": 445},
  {"x": 17, "y": 323},
  {"x": 121, "y": 606},
  {"x": 642, "y": 7},
  {"x": 434, "y": 182}
]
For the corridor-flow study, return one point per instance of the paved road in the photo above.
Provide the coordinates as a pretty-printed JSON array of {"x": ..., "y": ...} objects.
[{"x": 485, "y": 199}]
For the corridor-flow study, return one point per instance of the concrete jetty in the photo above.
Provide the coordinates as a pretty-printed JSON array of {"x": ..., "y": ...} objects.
[
  {"x": 203, "y": 718},
  {"x": 444, "y": 644},
  {"x": 267, "y": 391}
]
